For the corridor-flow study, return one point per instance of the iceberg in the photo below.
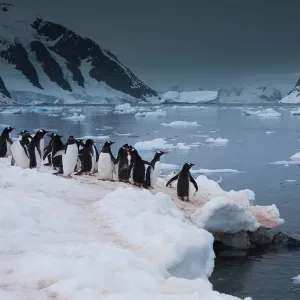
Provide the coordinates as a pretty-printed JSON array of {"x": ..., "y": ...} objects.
[
  {"x": 264, "y": 113},
  {"x": 192, "y": 97}
]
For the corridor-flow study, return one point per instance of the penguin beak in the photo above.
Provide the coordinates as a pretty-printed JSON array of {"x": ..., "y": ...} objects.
[
  {"x": 163, "y": 152},
  {"x": 113, "y": 142},
  {"x": 49, "y": 135},
  {"x": 193, "y": 165}
]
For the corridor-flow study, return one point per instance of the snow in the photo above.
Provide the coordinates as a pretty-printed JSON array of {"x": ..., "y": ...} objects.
[
  {"x": 74, "y": 117},
  {"x": 151, "y": 114},
  {"x": 189, "y": 97},
  {"x": 217, "y": 142},
  {"x": 264, "y": 113},
  {"x": 181, "y": 124},
  {"x": 76, "y": 239}
]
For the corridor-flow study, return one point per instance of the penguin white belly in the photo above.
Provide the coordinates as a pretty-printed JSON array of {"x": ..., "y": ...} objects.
[
  {"x": 42, "y": 146},
  {"x": 69, "y": 159},
  {"x": 8, "y": 146},
  {"x": 155, "y": 174},
  {"x": 105, "y": 166},
  {"x": 19, "y": 155}
]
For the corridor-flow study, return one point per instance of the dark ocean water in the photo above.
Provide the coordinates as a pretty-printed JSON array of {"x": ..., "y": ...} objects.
[{"x": 264, "y": 274}]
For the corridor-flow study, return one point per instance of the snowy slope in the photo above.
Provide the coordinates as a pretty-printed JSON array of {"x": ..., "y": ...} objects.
[
  {"x": 189, "y": 97},
  {"x": 46, "y": 62},
  {"x": 249, "y": 94},
  {"x": 87, "y": 239},
  {"x": 293, "y": 96}
]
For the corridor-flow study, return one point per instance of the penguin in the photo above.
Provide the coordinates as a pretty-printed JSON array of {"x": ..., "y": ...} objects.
[
  {"x": 137, "y": 166},
  {"x": 97, "y": 158},
  {"x": 56, "y": 146},
  {"x": 69, "y": 158},
  {"x": 153, "y": 171},
  {"x": 5, "y": 141},
  {"x": 183, "y": 183},
  {"x": 19, "y": 150},
  {"x": 34, "y": 149},
  {"x": 106, "y": 162},
  {"x": 123, "y": 162},
  {"x": 48, "y": 150},
  {"x": 80, "y": 143},
  {"x": 88, "y": 157}
]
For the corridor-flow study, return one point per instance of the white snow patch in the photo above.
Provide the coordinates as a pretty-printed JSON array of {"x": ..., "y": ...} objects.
[
  {"x": 181, "y": 124},
  {"x": 217, "y": 142},
  {"x": 264, "y": 113}
]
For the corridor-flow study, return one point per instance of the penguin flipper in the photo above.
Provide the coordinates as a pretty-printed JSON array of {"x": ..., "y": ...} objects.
[
  {"x": 172, "y": 179},
  {"x": 47, "y": 151},
  {"x": 194, "y": 182},
  {"x": 79, "y": 173},
  {"x": 147, "y": 163},
  {"x": 58, "y": 153}
]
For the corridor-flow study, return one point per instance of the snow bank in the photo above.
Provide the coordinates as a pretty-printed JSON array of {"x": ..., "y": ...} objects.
[
  {"x": 74, "y": 117},
  {"x": 181, "y": 124},
  {"x": 189, "y": 97},
  {"x": 86, "y": 239},
  {"x": 151, "y": 114},
  {"x": 217, "y": 142},
  {"x": 264, "y": 113}
]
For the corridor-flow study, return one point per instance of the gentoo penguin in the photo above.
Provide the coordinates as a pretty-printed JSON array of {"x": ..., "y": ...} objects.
[
  {"x": 88, "y": 158},
  {"x": 123, "y": 161},
  {"x": 153, "y": 171},
  {"x": 19, "y": 150},
  {"x": 56, "y": 146},
  {"x": 70, "y": 157},
  {"x": 48, "y": 150},
  {"x": 183, "y": 183},
  {"x": 137, "y": 165},
  {"x": 34, "y": 149},
  {"x": 5, "y": 141},
  {"x": 106, "y": 162},
  {"x": 80, "y": 144}
]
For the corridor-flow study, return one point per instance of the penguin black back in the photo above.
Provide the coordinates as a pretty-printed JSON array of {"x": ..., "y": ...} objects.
[
  {"x": 35, "y": 144},
  {"x": 123, "y": 162},
  {"x": 4, "y": 139},
  {"x": 87, "y": 153},
  {"x": 150, "y": 168},
  {"x": 183, "y": 183},
  {"x": 137, "y": 165},
  {"x": 56, "y": 145}
]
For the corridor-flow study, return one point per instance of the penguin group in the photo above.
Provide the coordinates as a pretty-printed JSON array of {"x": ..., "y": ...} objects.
[{"x": 78, "y": 156}]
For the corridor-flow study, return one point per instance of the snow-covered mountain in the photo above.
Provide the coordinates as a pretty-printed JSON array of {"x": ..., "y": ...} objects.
[
  {"x": 293, "y": 96},
  {"x": 249, "y": 94},
  {"x": 42, "y": 61}
]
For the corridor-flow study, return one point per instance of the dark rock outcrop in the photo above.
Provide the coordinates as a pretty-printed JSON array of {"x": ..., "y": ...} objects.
[
  {"x": 49, "y": 65},
  {"x": 290, "y": 240},
  {"x": 17, "y": 55},
  {"x": 3, "y": 89}
]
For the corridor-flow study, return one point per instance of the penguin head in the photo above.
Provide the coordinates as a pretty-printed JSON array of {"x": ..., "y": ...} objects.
[
  {"x": 7, "y": 130},
  {"x": 89, "y": 143},
  {"x": 71, "y": 140},
  {"x": 24, "y": 133},
  {"x": 158, "y": 154},
  {"x": 41, "y": 133},
  {"x": 108, "y": 144},
  {"x": 79, "y": 142},
  {"x": 54, "y": 136},
  {"x": 127, "y": 147},
  {"x": 188, "y": 166}
]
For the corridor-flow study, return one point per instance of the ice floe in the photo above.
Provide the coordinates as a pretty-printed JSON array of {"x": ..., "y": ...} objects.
[
  {"x": 263, "y": 113},
  {"x": 181, "y": 124},
  {"x": 151, "y": 114},
  {"x": 73, "y": 117},
  {"x": 217, "y": 141}
]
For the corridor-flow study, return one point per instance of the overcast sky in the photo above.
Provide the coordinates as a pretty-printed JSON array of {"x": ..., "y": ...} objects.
[{"x": 202, "y": 42}]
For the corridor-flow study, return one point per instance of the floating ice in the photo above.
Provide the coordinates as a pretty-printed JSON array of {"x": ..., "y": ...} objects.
[
  {"x": 180, "y": 124},
  {"x": 125, "y": 109},
  {"x": 296, "y": 156},
  {"x": 151, "y": 114},
  {"x": 295, "y": 112},
  {"x": 208, "y": 171},
  {"x": 156, "y": 144},
  {"x": 291, "y": 180},
  {"x": 264, "y": 113},
  {"x": 74, "y": 117},
  {"x": 95, "y": 137},
  {"x": 217, "y": 142},
  {"x": 270, "y": 132},
  {"x": 165, "y": 166},
  {"x": 122, "y": 134}
]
